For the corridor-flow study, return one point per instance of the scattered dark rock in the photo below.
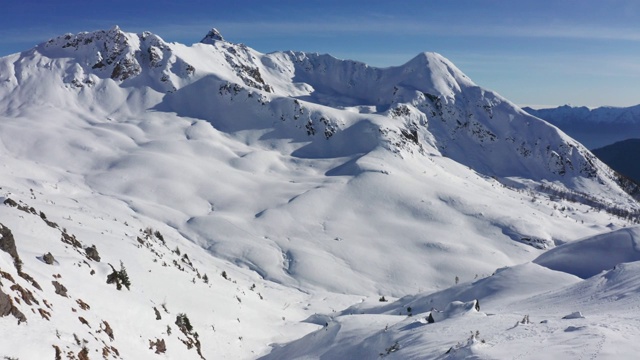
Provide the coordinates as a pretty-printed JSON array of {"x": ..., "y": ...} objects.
[
  {"x": 83, "y": 354},
  {"x": 8, "y": 308},
  {"x": 8, "y": 245},
  {"x": 83, "y": 321},
  {"x": 70, "y": 239},
  {"x": 58, "y": 352},
  {"x": 159, "y": 344},
  {"x": 83, "y": 305},
  {"x": 92, "y": 253},
  {"x": 10, "y": 202},
  {"x": 48, "y": 258},
  {"x": 60, "y": 289},
  {"x": 30, "y": 279},
  {"x": 47, "y": 221},
  {"x": 25, "y": 294},
  {"x": 107, "y": 329},
  {"x": 45, "y": 314}
]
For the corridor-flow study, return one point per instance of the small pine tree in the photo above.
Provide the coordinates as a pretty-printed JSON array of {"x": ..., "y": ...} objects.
[
  {"x": 205, "y": 278},
  {"x": 123, "y": 276}
]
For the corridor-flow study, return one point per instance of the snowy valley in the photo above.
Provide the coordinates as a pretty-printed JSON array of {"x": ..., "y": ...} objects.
[{"x": 210, "y": 201}]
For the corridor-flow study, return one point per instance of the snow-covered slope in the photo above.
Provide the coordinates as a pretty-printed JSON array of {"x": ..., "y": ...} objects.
[
  {"x": 594, "y": 127},
  {"x": 506, "y": 315},
  {"x": 308, "y": 181}
]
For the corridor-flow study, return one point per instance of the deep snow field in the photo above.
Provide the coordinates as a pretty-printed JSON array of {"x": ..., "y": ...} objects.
[{"x": 275, "y": 199}]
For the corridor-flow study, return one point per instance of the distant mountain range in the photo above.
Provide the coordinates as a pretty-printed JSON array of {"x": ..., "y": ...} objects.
[
  {"x": 594, "y": 128},
  {"x": 623, "y": 156}
]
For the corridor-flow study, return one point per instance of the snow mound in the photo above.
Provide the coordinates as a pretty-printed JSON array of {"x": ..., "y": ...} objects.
[
  {"x": 620, "y": 285},
  {"x": 590, "y": 256},
  {"x": 574, "y": 315},
  {"x": 456, "y": 308}
]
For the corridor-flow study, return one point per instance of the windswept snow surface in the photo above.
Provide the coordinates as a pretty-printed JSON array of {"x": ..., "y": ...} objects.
[
  {"x": 604, "y": 252},
  {"x": 300, "y": 184}
]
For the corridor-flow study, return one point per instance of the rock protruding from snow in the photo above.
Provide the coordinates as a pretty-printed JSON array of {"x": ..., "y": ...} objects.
[
  {"x": 574, "y": 315},
  {"x": 212, "y": 36}
]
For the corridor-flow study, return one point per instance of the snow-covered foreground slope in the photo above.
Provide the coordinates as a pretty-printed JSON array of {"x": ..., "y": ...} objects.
[
  {"x": 298, "y": 183},
  {"x": 525, "y": 312}
]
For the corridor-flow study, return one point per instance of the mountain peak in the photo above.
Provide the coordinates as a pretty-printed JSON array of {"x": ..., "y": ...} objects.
[{"x": 212, "y": 36}]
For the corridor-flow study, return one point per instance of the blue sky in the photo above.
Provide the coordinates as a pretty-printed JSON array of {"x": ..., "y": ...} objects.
[{"x": 543, "y": 52}]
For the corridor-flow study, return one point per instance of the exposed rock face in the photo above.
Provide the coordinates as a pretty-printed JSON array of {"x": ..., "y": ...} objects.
[
  {"x": 212, "y": 36},
  {"x": 92, "y": 253},
  {"x": 8, "y": 308},
  {"x": 114, "y": 54},
  {"x": 48, "y": 259},
  {"x": 8, "y": 243},
  {"x": 111, "y": 50},
  {"x": 60, "y": 289}
]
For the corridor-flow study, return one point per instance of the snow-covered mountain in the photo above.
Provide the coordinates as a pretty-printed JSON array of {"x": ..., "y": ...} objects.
[
  {"x": 622, "y": 156},
  {"x": 241, "y": 193},
  {"x": 594, "y": 127}
]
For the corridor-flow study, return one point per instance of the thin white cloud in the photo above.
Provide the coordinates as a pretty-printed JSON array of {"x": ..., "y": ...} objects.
[
  {"x": 413, "y": 27},
  {"x": 373, "y": 25}
]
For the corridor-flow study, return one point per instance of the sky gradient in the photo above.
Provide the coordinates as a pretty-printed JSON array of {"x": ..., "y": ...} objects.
[{"x": 541, "y": 53}]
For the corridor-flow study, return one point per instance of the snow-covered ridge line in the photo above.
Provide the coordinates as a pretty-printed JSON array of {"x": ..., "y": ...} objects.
[{"x": 439, "y": 107}]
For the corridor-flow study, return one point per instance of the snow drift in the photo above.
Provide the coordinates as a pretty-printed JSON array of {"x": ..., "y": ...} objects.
[{"x": 590, "y": 256}]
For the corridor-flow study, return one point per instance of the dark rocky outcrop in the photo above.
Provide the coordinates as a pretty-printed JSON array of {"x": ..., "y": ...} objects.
[
  {"x": 8, "y": 308},
  {"x": 48, "y": 259},
  {"x": 92, "y": 253},
  {"x": 60, "y": 289},
  {"x": 212, "y": 36}
]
